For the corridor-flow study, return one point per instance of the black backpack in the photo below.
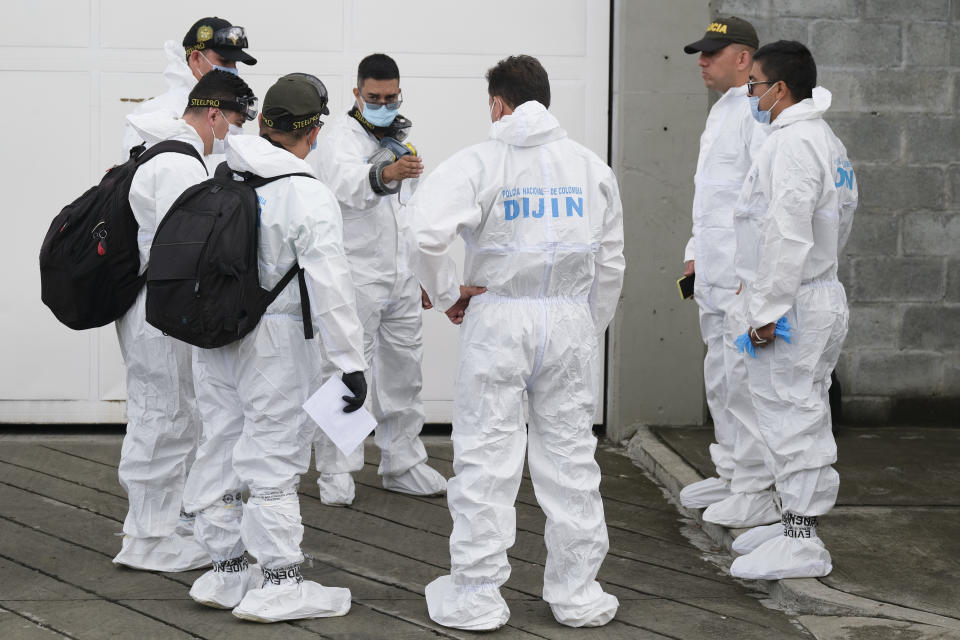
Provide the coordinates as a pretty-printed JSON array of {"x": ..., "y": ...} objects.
[
  {"x": 203, "y": 282},
  {"x": 89, "y": 260}
]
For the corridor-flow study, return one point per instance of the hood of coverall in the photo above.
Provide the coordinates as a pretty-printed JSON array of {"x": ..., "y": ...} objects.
[
  {"x": 259, "y": 157},
  {"x": 807, "y": 109},
  {"x": 177, "y": 73},
  {"x": 529, "y": 125},
  {"x": 155, "y": 126}
]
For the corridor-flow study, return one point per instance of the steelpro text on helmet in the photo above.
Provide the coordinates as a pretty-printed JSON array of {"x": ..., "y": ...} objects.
[{"x": 244, "y": 105}]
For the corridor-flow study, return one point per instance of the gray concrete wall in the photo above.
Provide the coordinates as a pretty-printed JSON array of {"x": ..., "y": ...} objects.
[
  {"x": 894, "y": 69},
  {"x": 655, "y": 366}
]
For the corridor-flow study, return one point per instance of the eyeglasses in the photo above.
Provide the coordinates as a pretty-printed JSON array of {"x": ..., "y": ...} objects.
[
  {"x": 751, "y": 84},
  {"x": 390, "y": 106}
]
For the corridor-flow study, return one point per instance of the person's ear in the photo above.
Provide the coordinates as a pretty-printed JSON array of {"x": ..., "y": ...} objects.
[
  {"x": 312, "y": 137},
  {"x": 782, "y": 90},
  {"x": 194, "y": 61}
]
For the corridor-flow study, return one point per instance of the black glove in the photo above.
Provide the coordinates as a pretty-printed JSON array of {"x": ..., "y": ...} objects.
[{"x": 358, "y": 385}]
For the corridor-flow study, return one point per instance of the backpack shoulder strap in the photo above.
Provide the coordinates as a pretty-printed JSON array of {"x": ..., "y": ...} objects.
[
  {"x": 295, "y": 270},
  {"x": 256, "y": 181},
  {"x": 174, "y": 146}
]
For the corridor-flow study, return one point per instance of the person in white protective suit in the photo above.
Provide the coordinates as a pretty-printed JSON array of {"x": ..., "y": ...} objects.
[
  {"x": 739, "y": 495},
  {"x": 210, "y": 44},
  {"x": 541, "y": 219},
  {"x": 163, "y": 426},
  {"x": 256, "y": 434},
  {"x": 367, "y": 177},
  {"x": 792, "y": 219}
]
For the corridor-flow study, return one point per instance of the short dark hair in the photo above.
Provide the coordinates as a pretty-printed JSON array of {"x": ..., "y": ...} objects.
[
  {"x": 519, "y": 79},
  {"x": 791, "y": 62},
  {"x": 378, "y": 66},
  {"x": 217, "y": 85}
]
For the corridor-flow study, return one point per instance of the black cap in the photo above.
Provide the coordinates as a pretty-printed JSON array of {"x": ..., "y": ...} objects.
[
  {"x": 295, "y": 101},
  {"x": 221, "y": 36},
  {"x": 724, "y": 31}
]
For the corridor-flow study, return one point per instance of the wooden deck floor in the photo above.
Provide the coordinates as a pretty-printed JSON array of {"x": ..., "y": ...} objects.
[{"x": 61, "y": 511}]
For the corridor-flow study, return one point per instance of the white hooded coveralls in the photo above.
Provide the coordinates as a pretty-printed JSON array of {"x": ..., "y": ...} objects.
[
  {"x": 730, "y": 140},
  {"x": 163, "y": 425},
  {"x": 388, "y": 301},
  {"x": 180, "y": 82},
  {"x": 541, "y": 219},
  {"x": 256, "y": 434},
  {"x": 792, "y": 219}
]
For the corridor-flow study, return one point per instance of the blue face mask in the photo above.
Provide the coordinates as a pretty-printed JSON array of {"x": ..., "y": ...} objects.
[
  {"x": 381, "y": 117},
  {"x": 219, "y": 68},
  {"x": 763, "y": 117}
]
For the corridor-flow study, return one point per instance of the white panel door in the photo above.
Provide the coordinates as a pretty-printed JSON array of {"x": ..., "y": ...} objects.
[{"x": 92, "y": 62}]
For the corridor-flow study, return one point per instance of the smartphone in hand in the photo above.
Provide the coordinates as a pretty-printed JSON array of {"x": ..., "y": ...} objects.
[{"x": 685, "y": 286}]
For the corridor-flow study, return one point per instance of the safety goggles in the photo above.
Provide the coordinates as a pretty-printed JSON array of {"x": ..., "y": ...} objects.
[
  {"x": 229, "y": 37},
  {"x": 390, "y": 106}
]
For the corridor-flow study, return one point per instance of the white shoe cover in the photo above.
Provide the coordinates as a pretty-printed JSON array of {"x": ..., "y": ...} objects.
[
  {"x": 471, "y": 608},
  {"x": 750, "y": 540},
  {"x": 225, "y": 589},
  {"x": 173, "y": 553},
  {"x": 336, "y": 489},
  {"x": 293, "y": 601},
  {"x": 704, "y": 493},
  {"x": 419, "y": 480},
  {"x": 744, "y": 510},
  {"x": 784, "y": 557},
  {"x": 595, "y": 614}
]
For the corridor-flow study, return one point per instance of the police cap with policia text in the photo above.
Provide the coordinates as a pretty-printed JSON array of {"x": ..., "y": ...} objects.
[
  {"x": 724, "y": 31},
  {"x": 295, "y": 101},
  {"x": 221, "y": 36}
]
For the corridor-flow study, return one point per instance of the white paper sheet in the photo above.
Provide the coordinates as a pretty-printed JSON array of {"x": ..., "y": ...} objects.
[{"x": 346, "y": 430}]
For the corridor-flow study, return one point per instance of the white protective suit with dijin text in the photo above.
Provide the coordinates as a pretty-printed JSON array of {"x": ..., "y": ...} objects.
[
  {"x": 792, "y": 219},
  {"x": 541, "y": 219}
]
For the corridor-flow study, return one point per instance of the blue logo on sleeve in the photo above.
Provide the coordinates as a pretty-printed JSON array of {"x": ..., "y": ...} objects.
[
  {"x": 844, "y": 174},
  {"x": 261, "y": 203}
]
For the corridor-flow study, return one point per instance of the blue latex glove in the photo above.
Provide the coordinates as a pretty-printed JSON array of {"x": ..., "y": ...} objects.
[
  {"x": 743, "y": 344},
  {"x": 783, "y": 329}
]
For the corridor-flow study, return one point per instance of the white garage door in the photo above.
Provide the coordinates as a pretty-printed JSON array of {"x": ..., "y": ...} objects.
[{"x": 73, "y": 69}]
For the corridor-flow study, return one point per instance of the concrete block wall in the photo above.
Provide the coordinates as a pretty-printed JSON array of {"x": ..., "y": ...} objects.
[
  {"x": 894, "y": 69},
  {"x": 655, "y": 368}
]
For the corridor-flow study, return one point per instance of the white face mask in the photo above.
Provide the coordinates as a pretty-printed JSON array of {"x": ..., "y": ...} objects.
[
  {"x": 220, "y": 144},
  {"x": 492, "y": 107}
]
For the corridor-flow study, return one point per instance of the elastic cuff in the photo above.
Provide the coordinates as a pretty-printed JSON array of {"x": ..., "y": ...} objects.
[{"x": 376, "y": 180}]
